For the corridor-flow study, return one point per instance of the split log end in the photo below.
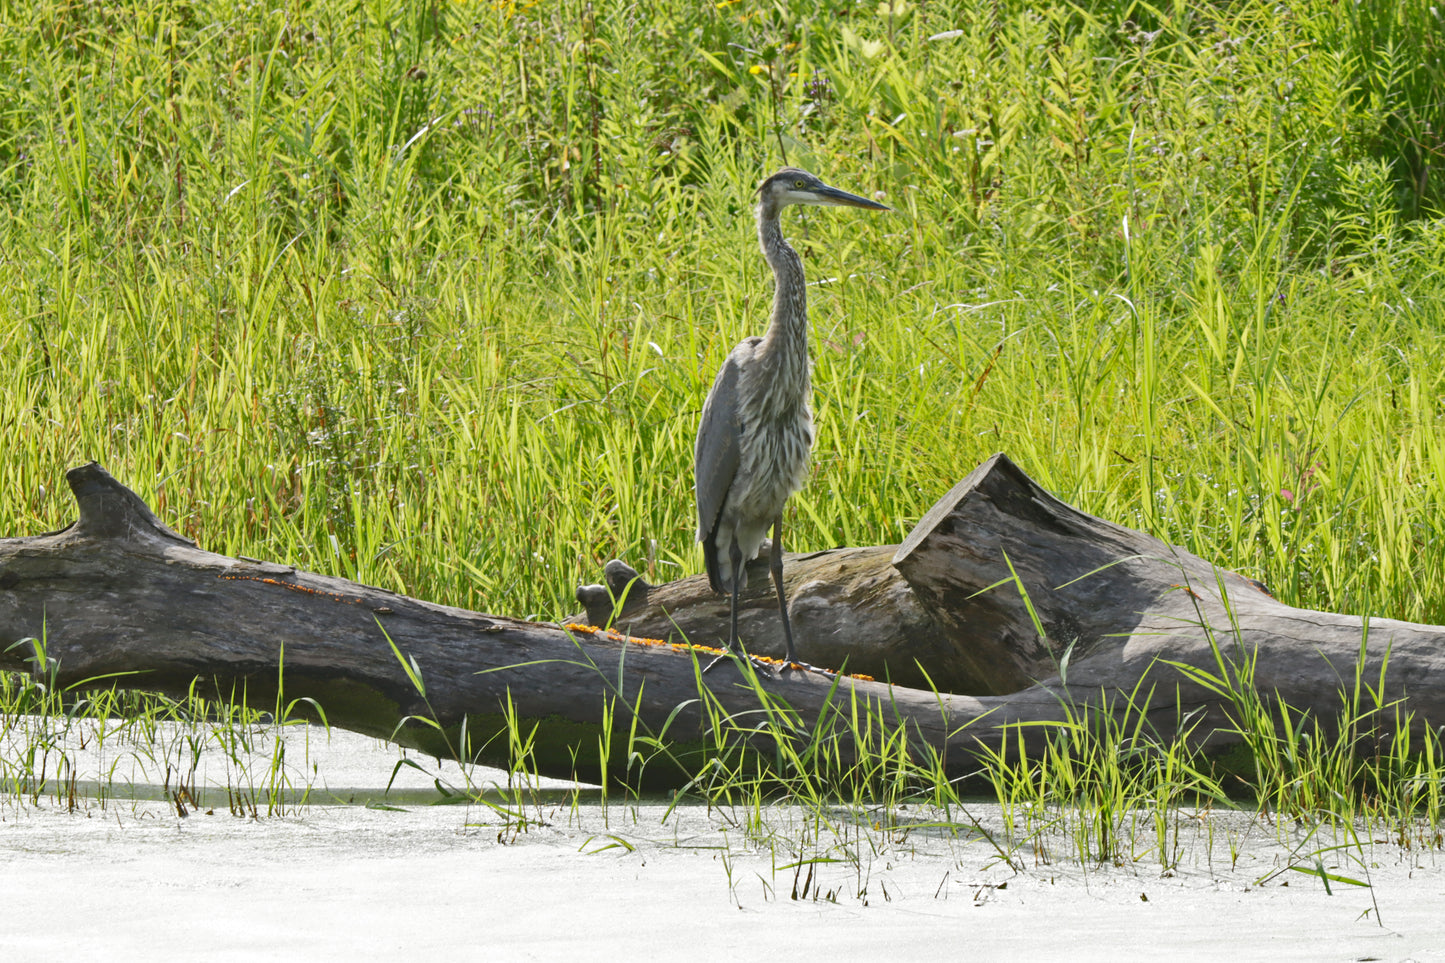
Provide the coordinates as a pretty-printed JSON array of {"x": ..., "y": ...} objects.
[{"x": 1002, "y": 482}]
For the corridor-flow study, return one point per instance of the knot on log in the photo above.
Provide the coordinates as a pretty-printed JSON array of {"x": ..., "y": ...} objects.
[
  {"x": 622, "y": 591},
  {"x": 110, "y": 510}
]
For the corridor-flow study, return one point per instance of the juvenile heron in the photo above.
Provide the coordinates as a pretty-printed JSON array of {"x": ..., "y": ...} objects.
[{"x": 756, "y": 430}]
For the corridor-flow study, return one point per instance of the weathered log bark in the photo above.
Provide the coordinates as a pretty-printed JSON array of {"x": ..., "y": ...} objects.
[
  {"x": 118, "y": 592},
  {"x": 847, "y": 606},
  {"x": 944, "y": 609},
  {"x": 953, "y": 607}
]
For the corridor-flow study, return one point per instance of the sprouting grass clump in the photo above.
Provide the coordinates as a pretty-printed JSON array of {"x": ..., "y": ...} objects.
[
  {"x": 1106, "y": 787},
  {"x": 1365, "y": 761},
  {"x": 94, "y": 745}
]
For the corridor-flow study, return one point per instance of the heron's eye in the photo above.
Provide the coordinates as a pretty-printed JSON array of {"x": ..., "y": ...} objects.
[{"x": 800, "y": 184}]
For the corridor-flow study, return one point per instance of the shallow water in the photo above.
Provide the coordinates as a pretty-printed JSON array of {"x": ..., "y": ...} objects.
[{"x": 114, "y": 868}]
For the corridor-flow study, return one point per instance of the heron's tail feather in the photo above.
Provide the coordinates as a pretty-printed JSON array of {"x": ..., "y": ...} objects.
[
  {"x": 714, "y": 567},
  {"x": 718, "y": 574}
]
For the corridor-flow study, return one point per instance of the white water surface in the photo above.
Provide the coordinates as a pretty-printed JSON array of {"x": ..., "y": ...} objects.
[{"x": 114, "y": 871}]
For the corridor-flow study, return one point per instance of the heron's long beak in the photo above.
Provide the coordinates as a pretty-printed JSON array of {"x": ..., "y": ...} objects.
[{"x": 833, "y": 196}]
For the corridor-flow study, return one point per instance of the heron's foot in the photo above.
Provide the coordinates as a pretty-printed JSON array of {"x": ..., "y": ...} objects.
[
  {"x": 795, "y": 666},
  {"x": 759, "y": 665},
  {"x": 714, "y": 663}
]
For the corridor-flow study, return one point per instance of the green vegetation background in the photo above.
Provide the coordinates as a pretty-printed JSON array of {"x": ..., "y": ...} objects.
[{"x": 429, "y": 294}]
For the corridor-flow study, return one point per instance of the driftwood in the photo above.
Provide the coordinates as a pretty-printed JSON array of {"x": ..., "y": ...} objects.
[{"x": 118, "y": 599}]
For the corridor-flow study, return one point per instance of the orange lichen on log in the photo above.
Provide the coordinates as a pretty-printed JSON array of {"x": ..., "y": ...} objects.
[
  {"x": 347, "y": 599},
  {"x": 613, "y": 635}
]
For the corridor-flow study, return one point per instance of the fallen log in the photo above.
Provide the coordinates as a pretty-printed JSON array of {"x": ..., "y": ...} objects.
[
  {"x": 960, "y": 603},
  {"x": 118, "y": 599}
]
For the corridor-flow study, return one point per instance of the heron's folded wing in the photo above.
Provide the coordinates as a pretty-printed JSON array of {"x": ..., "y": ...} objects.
[{"x": 716, "y": 457}]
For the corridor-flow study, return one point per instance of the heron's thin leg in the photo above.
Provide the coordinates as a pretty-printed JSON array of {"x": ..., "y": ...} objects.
[
  {"x": 776, "y": 565},
  {"x": 735, "y": 560}
]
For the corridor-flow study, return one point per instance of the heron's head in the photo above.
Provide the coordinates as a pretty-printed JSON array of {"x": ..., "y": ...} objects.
[{"x": 793, "y": 186}]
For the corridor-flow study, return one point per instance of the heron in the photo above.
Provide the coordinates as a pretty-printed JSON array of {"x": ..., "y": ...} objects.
[{"x": 756, "y": 429}]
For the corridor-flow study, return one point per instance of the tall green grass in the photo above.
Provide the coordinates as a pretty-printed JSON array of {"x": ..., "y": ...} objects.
[{"x": 429, "y": 295}]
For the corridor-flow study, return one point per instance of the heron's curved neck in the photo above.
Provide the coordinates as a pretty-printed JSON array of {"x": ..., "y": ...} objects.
[{"x": 786, "y": 340}]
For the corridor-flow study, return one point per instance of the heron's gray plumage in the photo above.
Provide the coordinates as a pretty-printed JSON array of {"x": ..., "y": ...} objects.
[{"x": 756, "y": 429}]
